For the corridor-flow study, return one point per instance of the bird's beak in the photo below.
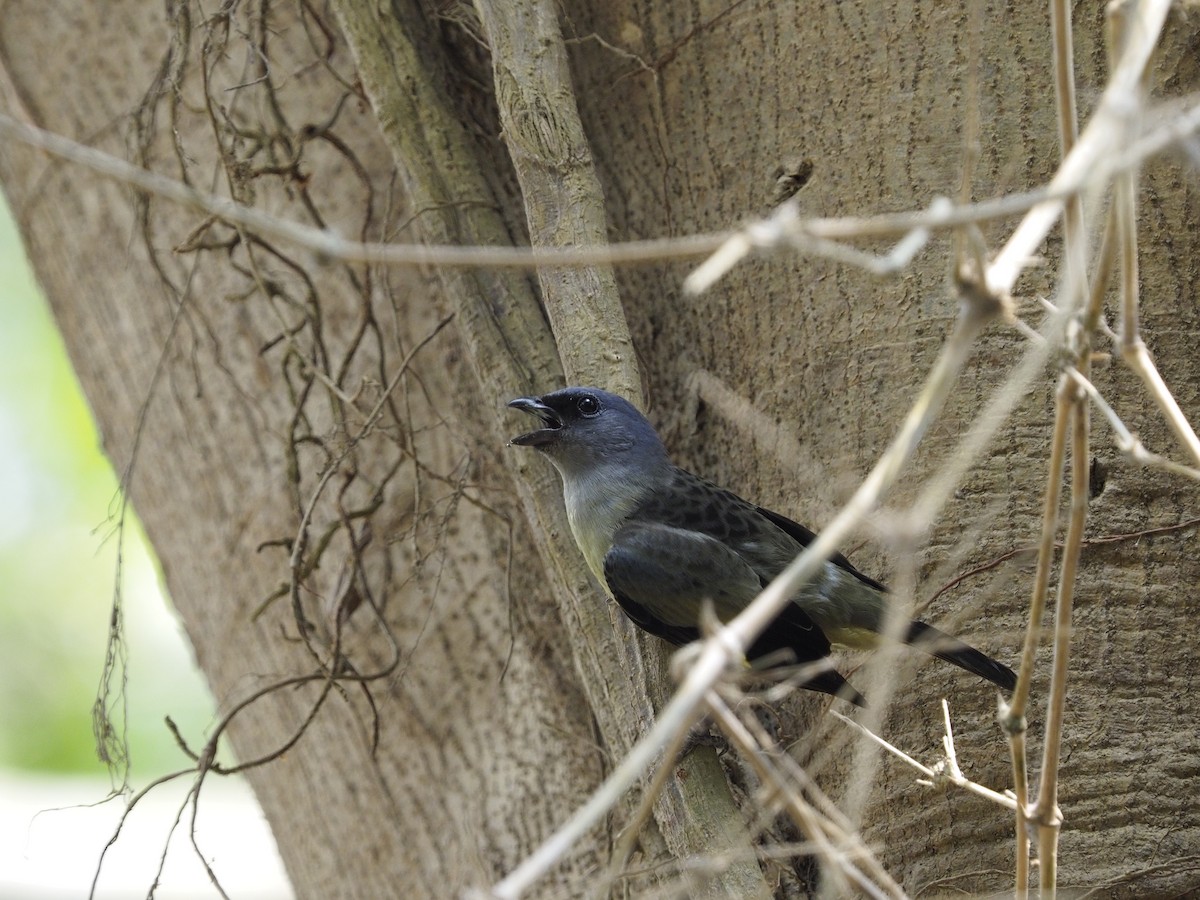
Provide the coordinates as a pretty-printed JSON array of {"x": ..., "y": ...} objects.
[{"x": 549, "y": 417}]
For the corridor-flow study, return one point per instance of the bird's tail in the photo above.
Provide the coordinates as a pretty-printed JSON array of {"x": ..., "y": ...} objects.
[
  {"x": 831, "y": 682},
  {"x": 954, "y": 651}
]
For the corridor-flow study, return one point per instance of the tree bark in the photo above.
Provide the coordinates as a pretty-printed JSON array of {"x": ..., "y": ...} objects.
[{"x": 321, "y": 468}]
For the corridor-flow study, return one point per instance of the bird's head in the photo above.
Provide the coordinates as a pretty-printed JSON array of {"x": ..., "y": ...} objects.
[{"x": 586, "y": 429}]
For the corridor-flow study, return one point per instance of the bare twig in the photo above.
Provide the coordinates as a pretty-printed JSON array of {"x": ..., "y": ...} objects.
[
  {"x": 1132, "y": 348},
  {"x": 946, "y": 771},
  {"x": 1088, "y": 160},
  {"x": 1013, "y": 718},
  {"x": 785, "y": 228},
  {"x": 632, "y": 829},
  {"x": 1128, "y": 442},
  {"x": 822, "y": 233},
  {"x": 1045, "y": 813},
  {"x": 835, "y": 841}
]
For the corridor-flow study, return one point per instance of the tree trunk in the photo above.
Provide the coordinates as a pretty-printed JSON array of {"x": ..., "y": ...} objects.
[{"x": 316, "y": 446}]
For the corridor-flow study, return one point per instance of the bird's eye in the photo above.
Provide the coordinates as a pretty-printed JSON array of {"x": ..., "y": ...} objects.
[{"x": 587, "y": 405}]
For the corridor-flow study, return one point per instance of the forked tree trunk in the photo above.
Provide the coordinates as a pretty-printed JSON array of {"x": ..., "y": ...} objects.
[{"x": 318, "y": 463}]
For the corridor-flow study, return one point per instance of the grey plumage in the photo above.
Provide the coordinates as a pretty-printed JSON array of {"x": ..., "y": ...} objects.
[{"x": 663, "y": 541}]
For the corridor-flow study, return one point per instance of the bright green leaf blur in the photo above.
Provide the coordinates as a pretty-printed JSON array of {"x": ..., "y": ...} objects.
[{"x": 58, "y": 564}]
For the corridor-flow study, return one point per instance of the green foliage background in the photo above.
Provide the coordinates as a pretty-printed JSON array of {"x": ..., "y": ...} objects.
[{"x": 58, "y": 556}]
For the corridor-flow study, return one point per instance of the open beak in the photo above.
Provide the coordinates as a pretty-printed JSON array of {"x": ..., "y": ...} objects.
[{"x": 550, "y": 419}]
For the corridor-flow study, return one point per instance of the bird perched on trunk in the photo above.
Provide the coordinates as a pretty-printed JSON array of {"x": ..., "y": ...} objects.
[{"x": 664, "y": 541}]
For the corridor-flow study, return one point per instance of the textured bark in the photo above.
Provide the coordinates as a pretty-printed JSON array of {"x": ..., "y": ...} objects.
[
  {"x": 442, "y": 167},
  {"x": 257, "y": 366},
  {"x": 485, "y": 738}
]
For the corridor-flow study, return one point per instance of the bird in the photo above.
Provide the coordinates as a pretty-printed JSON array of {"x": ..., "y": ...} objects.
[{"x": 664, "y": 542}]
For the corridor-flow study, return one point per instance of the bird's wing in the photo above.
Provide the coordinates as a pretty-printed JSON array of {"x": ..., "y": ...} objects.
[
  {"x": 694, "y": 504},
  {"x": 804, "y": 537},
  {"x": 661, "y": 575}
]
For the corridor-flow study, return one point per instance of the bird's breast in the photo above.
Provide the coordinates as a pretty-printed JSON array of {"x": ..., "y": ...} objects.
[
  {"x": 593, "y": 539},
  {"x": 595, "y": 509}
]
